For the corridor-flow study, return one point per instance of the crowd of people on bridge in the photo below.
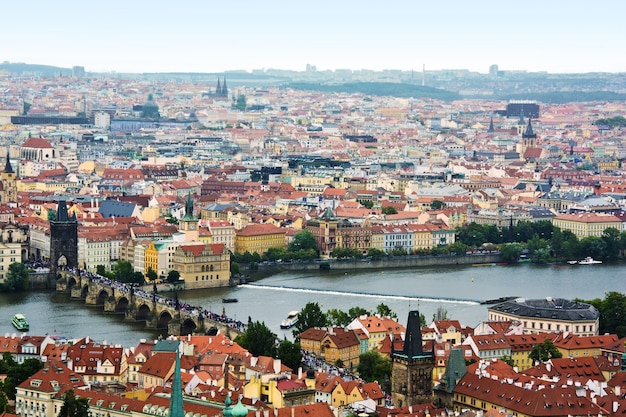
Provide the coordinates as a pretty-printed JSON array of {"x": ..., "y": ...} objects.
[{"x": 136, "y": 290}]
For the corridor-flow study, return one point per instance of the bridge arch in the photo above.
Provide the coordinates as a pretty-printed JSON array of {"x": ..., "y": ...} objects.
[
  {"x": 164, "y": 319},
  {"x": 143, "y": 312},
  {"x": 187, "y": 327},
  {"x": 213, "y": 331},
  {"x": 102, "y": 297},
  {"x": 84, "y": 291},
  {"x": 121, "y": 305}
]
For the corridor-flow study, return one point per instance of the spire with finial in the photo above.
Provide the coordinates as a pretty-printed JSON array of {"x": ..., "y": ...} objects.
[
  {"x": 176, "y": 398},
  {"x": 224, "y": 89},
  {"x": 189, "y": 209},
  {"x": 218, "y": 89},
  {"x": 8, "y": 168},
  {"x": 529, "y": 133},
  {"x": 491, "y": 129},
  {"x": 228, "y": 410}
]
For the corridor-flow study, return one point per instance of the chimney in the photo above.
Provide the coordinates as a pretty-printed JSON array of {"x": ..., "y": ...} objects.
[
  {"x": 300, "y": 372},
  {"x": 276, "y": 366}
]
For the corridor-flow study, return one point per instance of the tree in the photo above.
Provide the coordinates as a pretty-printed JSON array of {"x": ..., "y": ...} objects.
[
  {"x": 152, "y": 274},
  {"x": 123, "y": 271},
  {"x": 303, "y": 240},
  {"x": 234, "y": 268},
  {"x": 389, "y": 210},
  {"x": 355, "y": 312},
  {"x": 612, "y": 313},
  {"x": 74, "y": 407},
  {"x": 258, "y": 340},
  {"x": 16, "y": 278},
  {"x": 338, "y": 317},
  {"x": 174, "y": 276},
  {"x": 373, "y": 366},
  {"x": 437, "y": 205},
  {"x": 290, "y": 354},
  {"x": 508, "y": 360},
  {"x": 16, "y": 373},
  {"x": 376, "y": 254},
  {"x": 441, "y": 314},
  {"x": 544, "y": 351},
  {"x": 52, "y": 214},
  {"x": 367, "y": 203},
  {"x": 310, "y": 316},
  {"x": 511, "y": 251},
  {"x": 241, "y": 102},
  {"x": 384, "y": 310}
]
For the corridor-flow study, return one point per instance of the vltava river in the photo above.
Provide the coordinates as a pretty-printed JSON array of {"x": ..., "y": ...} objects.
[{"x": 459, "y": 290}]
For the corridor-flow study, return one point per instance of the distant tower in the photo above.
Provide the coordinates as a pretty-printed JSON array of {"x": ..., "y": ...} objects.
[
  {"x": 412, "y": 368},
  {"x": 63, "y": 239},
  {"x": 8, "y": 194},
  {"x": 176, "y": 398},
  {"x": 491, "y": 129},
  {"x": 529, "y": 137},
  {"x": 189, "y": 224},
  {"x": 493, "y": 70},
  {"x": 224, "y": 92},
  {"x": 218, "y": 89}
]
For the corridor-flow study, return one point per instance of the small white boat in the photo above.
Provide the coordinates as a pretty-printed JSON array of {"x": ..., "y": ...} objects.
[
  {"x": 290, "y": 320},
  {"x": 588, "y": 261}
]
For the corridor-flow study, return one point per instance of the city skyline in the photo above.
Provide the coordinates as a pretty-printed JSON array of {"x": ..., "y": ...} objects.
[{"x": 247, "y": 35}]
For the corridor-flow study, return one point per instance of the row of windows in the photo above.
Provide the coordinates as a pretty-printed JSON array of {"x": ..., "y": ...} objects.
[{"x": 207, "y": 277}]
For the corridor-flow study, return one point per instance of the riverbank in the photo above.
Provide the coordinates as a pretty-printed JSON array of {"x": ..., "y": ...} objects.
[{"x": 267, "y": 269}]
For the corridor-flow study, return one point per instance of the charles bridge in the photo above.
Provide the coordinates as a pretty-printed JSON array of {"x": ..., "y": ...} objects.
[{"x": 136, "y": 304}]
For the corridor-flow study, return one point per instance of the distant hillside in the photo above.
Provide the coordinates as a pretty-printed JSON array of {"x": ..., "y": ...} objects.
[
  {"x": 46, "y": 70},
  {"x": 380, "y": 89},
  {"x": 559, "y": 97}
]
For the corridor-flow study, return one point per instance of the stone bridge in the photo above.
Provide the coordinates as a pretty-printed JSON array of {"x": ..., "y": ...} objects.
[{"x": 157, "y": 311}]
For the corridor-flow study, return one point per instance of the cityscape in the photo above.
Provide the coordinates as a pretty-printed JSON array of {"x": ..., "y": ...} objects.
[{"x": 131, "y": 192}]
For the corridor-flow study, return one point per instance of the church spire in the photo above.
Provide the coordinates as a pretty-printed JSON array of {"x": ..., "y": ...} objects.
[
  {"x": 8, "y": 168},
  {"x": 189, "y": 209},
  {"x": 176, "y": 398},
  {"x": 529, "y": 133},
  {"x": 218, "y": 89},
  {"x": 224, "y": 92},
  {"x": 491, "y": 129}
]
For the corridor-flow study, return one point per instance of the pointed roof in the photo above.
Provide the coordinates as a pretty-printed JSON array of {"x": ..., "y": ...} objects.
[
  {"x": 529, "y": 133},
  {"x": 62, "y": 214},
  {"x": 413, "y": 338},
  {"x": 8, "y": 169},
  {"x": 189, "y": 209},
  {"x": 491, "y": 128},
  {"x": 176, "y": 398}
]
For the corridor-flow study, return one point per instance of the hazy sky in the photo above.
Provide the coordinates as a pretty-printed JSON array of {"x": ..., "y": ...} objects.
[{"x": 214, "y": 36}]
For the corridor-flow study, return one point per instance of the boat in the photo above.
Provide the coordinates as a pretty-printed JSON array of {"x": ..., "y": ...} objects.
[
  {"x": 20, "y": 322},
  {"x": 588, "y": 261},
  {"x": 498, "y": 300},
  {"x": 229, "y": 300},
  {"x": 290, "y": 320}
]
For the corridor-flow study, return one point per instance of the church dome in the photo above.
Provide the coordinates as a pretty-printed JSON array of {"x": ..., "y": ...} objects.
[{"x": 240, "y": 410}]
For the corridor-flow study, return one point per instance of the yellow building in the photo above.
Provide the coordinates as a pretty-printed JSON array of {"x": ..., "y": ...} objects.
[
  {"x": 279, "y": 391},
  {"x": 151, "y": 259},
  {"x": 574, "y": 346},
  {"x": 259, "y": 238},
  {"x": 341, "y": 346},
  {"x": 586, "y": 224},
  {"x": 203, "y": 265}
]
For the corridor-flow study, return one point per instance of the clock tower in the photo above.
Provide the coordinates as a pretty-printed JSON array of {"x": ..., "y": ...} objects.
[{"x": 189, "y": 224}]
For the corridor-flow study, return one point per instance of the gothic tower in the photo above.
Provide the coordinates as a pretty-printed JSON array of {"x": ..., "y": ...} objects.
[
  {"x": 189, "y": 224},
  {"x": 8, "y": 194},
  {"x": 412, "y": 368},
  {"x": 63, "y": 239},
  {"x": 224, "y": 92}
]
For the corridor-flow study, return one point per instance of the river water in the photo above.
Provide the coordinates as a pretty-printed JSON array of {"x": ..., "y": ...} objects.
[{"x": 458, "y": 290}]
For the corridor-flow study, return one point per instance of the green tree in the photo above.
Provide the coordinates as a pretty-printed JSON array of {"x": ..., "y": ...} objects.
[
  {"x": 173, "y": 276},
  {"x": 74, "y": 407},
  {"x": 355, "y": 312},
  {"x": 151, "y": 274},
  {"x": 437, "y": 205},
  {"x": 4, "y": 403},
  {"x": 367, "y": 203},
  {"x": 440, "y": 314},
  {"x": 235, "y": 268},
  {"x": 241, "y": 102},
  {"x": 274, "y": 254},
  {"x": 52, "y": 214},
  {"x": 258, "y": 339},
  {"x": 612, "y": 313},
  {"x": 310, "y": 316},
  {"x": 508, "y": 360},
  {"x": 389, "y": 210},
  {"x": 303, "y": 240},
  {"x": 123, "y": 271},
  {"x": 458, "y": 248},
  {"x": 384, "y": 310},
  {"x": 611, "y": 243},
  {"x": 16, "y": 373},
  {"x": 16, "y": 278},
  {"x": 290, "y": 354},
  {"x": 511, "y": 251},
  {"x": 374, "y": 367},
  {"x": 544, "y": 351},
  {"x": 376, "y": 254},
  {"x": 338, "y": 317}
]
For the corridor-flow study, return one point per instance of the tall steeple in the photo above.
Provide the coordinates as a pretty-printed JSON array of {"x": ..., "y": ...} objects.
[
  {"x": 224, "y": 92},
  {"x": 218, "y": 89},
  {"x": 491, "y": 129},
  {"x": 8, "y": 168},
  {"x": 189, "y": 224},
  {"x": 176, "y": 398}
]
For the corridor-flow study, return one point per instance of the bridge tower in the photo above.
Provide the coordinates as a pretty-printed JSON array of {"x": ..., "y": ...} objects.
[{"x": 63, "y": 239}]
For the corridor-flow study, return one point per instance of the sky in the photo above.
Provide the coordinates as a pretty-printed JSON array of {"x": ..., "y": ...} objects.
[{"x": 215, "y": 36}]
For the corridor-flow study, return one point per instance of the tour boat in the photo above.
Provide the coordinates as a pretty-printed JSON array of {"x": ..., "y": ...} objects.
[
  {"x": 20, "y": 322},
  {"x": 588, "y": 261},
  {"x": 290, "y": 320}
]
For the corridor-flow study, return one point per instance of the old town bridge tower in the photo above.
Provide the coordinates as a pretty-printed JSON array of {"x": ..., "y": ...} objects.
[
  {"x": 63, "y": 239},
  {"x": 412, "y": 368}
]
